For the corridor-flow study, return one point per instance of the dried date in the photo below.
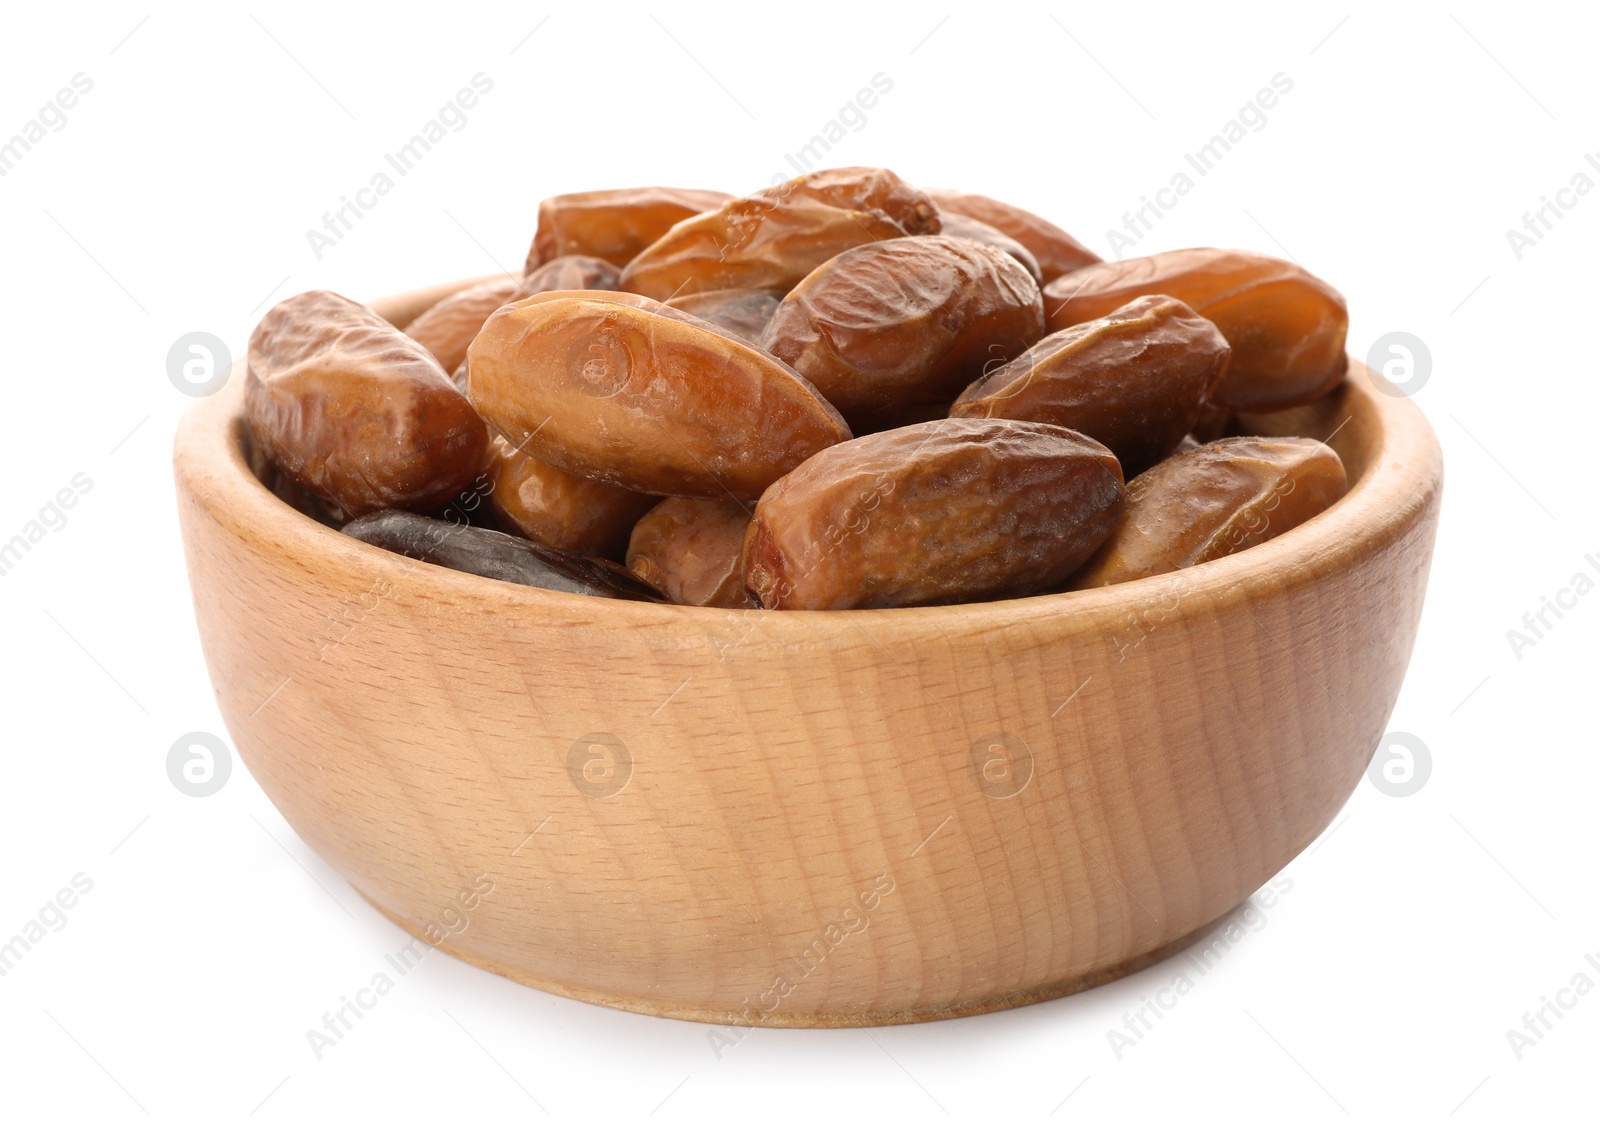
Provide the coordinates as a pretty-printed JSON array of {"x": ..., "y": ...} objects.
[
  {"x": 1134, "y": 380},
  {"x": 447, "y": 327},
  {"x": 613, "y": 224},
  {"x": 690, "y": 549},
  {"x": 1213, "y": 500},
  {"x": 1055, "y": 251},
  {"x": 772, "y": 239},
  {"x": 356, "y": 412},
  {"x": 900, "y": 326},
  {"x": 620, "y": 388},
  {"x": 557, "y": 508},
  {"x": 501, "y": 557},
  {"x": 947, "y": 511},
  {"x": 1286, "y": 326}
]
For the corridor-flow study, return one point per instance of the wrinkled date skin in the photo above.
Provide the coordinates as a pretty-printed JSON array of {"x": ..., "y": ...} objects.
[
  {"x": 356, "y": 412},
  {"x": 1055, "y": 251},
  {"x": 502, "y": 557},
  {"x": 448, "y": 327},
  {"x": 1286, "y": 326},
  {"x": 570, "y": 272},
  {"x": 690, "y": 549},
  {"x": 620, "y": 388},
  {"x": 1213, "y": 500},
  {"x": 613, "y": 224},
  {"x": 772, "y": 239},
  {"x": 1134, "y": 380},
  {"x": 954, "y": 223},
  {"x": 559, "y": 509},
  {"x": 890, "y": 327},
  {"x": 952, "y": 510},
  {"x": 742, "y": 312}
]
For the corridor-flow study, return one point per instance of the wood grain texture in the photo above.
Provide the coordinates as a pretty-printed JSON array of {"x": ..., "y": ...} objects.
[{"x": 1167, "y": 745}]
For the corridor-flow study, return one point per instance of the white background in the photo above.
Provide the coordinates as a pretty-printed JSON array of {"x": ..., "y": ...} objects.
[{"x": 177, "y": 198}]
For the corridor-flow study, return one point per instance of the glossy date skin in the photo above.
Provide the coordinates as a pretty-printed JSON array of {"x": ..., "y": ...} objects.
[
  {"x": 620, "y": 388},
  {"x": 356, "y": 412},
  {"x": 941, "y": 512},
  {"x": 690, "y": 549},
  {"x": 559, "y": 509},
  {"x": 613, "y": 224},
  {"x": 742, "y": 312},
  {"x": 772, "y": 239},
  {"x": 1215, "y": 499},
  {"x": 502, "y": 557},
  {"x": 1135, "y": 380},
  {"x": 1054, "y": 250},
  {"x": 892, "y": 328},
  {"x": 954, "y": 223},
  {"x": 448, "y": 327},
  {"x": 1286, "y": 326}
]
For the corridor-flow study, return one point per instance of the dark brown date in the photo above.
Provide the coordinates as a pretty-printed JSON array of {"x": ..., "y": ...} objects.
[{"x": 502, "y": 557}]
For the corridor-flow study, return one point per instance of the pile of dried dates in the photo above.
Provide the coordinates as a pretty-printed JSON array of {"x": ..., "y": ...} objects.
[{"x": 840, "y": 392}]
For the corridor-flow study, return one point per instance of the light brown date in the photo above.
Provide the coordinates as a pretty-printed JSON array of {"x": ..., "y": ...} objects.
[
  {"x": 620, "y": 388},
  {"x": 1213, "y": 500},
  {"x": 613, "y": 224},
  {"x": 743, "y": 312},
  {"x": 446, "y": 328},
  {"x": 890, "y": 328},
  {"x": 954, "y": 223},
  {"x": 557, "y": 508},
  {"x": 570, "y": 272},
  {"x": 356, "y": 412},
  {"x": 1055, "y": 250},
  {"x": 947, "y": 511},
  {"x": 689, "y": 548},
  {"x": 1134, "y": 380},
  {"x": 772, "y": 239},
  {"x": 1286, "y": 326}
]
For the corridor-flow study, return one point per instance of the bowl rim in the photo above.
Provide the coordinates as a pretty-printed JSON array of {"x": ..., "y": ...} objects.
[{"x": 1402, "y": 471}]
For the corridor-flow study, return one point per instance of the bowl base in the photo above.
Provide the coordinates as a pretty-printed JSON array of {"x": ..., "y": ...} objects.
[{"x": 854, "y": 1018}]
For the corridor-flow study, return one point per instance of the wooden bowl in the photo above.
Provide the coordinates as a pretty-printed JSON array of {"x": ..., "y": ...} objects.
[{"x": 811, "y": 818}]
